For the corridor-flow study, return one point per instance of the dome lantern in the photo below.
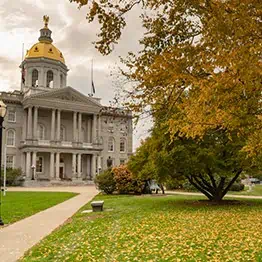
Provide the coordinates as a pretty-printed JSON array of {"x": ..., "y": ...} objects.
[{"x": 45, "y": 33}]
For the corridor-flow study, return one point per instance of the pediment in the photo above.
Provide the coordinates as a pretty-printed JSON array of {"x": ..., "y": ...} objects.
[{"x": 67, "y": 94}]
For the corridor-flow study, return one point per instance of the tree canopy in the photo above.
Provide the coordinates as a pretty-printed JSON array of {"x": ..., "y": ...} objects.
[{"x": 201, "y": 56}]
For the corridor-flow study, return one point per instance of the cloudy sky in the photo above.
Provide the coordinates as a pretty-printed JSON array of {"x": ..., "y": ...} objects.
[{"x": 20, "y": 22}]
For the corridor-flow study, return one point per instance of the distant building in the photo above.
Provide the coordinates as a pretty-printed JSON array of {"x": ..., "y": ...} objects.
[{"x": 54, "y": 132}]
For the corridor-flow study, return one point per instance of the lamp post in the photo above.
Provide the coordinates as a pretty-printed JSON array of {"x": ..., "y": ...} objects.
[{"x": 2, "y": 115}]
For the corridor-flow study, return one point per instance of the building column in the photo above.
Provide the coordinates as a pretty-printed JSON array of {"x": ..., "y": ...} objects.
[
  {"x": 73, "y": 165},
  {"x": 99, "y": 167},
  {"x": 58, "y": 125},
  {"x": 28, "y": 164},
  {"x": 52, "y": 165},
  {"x": 23, "y": 161},
  {"x": 29, "y": 123},
  {"x": 35, "y": 122},
  {"x": 74, "y": 127},
  {"x": 99, "y": 129},
  {"x": 57, "y": 167},
  {"x": 93, "y": 167},
  {"x": 24, "y": 131},
  {"x": 88, "y": 131},
  {"x": 79, "y": 127},
  {"x": 34, "y": 164},
  {"x": 53, "y": 125},
  {"x": 94, "y": 129},
  {"x": 79, "y": 165}
]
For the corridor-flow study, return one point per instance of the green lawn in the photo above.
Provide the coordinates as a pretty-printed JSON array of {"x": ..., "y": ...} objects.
[
  {"x": 157, "y": 228},
  {"x": 256, "y": 191},
  {"x": 18, "y": 205}
]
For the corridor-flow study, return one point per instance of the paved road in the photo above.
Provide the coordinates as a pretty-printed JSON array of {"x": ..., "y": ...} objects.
[
  {"x": 17, "y": 238},
  {"x": 200, "y": 194}
]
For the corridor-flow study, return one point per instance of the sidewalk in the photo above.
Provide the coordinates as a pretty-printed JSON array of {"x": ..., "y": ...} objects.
[
  {"x": 200, "y": 194},
  {"x": 17, "y": 238}
]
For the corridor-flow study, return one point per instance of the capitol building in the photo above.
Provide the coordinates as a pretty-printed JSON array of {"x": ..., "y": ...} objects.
[{"x": 55, "y": 133}]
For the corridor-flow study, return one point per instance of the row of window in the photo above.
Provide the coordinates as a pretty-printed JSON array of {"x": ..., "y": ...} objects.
[
  {"x": 111, "y": 145},
  {"x": 10, "y": 163},
  {"x": 49, "y": 78},
  {"x": 10, "y": 138}
]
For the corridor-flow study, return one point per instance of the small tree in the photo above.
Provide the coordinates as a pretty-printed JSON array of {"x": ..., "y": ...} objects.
[
  {"x": 125, "y": 181},
  {"x": 105, "y": 181}
]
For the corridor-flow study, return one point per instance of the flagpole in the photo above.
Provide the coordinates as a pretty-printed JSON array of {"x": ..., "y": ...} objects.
[
  {"x": 92, "y": 77},
  {"x": 23, "y": 47}
]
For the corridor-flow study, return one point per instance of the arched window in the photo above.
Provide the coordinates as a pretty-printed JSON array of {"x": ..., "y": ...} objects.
[
  {"x": 111, "y": 144},
  {"x": 41, "y": 132},
  {"x": 122, "y": 145},
  {"x": 49, "y": 78},
  {"x": 61, "y": 81},
  {"x": 35, "y": 78},
  {"x": 10, "y": 137},
  {"x": 62, "y": 133}
]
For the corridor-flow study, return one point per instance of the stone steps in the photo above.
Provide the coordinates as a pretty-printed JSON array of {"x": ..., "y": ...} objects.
[{"x": 54, "y": 183}]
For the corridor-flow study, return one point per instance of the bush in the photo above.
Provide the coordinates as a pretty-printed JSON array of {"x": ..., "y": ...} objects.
[
  {"x": 12, "y": 176},
  {"x": 237, "y": 187},
  {"x": 125, "y": 181},
  {"x": 105, "y": 181}
]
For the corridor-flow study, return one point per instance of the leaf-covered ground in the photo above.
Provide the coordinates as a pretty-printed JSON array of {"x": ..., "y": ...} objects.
[
  {"x": 18, "y": 205},
  {"x": 151, "y": 228}
]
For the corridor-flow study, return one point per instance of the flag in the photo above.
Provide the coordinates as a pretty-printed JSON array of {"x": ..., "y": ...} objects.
[
  {"x": 93, "y": 88},
  {"x": 23, "y": 74}
]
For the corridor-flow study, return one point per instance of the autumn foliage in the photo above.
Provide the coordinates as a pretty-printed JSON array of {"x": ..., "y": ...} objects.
[{"x": 125, "y": 181}]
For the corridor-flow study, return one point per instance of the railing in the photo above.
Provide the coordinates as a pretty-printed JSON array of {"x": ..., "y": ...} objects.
[
  {"x": 44, "y": 143},
  {"x": 87, "y": 145},
  {"x": 66, "y": 144}
]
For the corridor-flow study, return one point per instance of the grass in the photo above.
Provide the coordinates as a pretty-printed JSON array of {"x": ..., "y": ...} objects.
[
  {"x": 156, "y": 228},
  {"x": 18, "y": 205},
  {"x": 256, "y": 191}
]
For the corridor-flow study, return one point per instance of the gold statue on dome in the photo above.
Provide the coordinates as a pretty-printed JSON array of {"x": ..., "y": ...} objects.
[{"x": 46, "y": 20}]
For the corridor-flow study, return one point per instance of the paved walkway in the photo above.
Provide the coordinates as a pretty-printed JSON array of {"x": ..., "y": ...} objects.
[
  {"x": 17, "y": 238},
  {"x": 200, "y": 194}
]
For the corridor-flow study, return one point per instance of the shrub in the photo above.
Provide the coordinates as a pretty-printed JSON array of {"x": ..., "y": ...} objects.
[
  {"x": 13, "y": 176},
  {"x": 237, "y": 187},
  {"x": 125, "y": 181},
  {"x": 105, "y": 181},
  {"x": 172, "y": 184}
]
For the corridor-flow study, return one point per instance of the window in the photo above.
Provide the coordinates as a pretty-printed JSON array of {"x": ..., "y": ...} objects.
[
  {"x": 10, "y": 161},
  {"x": 11, "y": 116},
  {"x": 35, "y": 78},
  {"x": 61, "y": 80},
  {"x": 122, "y": 145},
  {"x": 39, "y": 164},
  {"x": 41, "y": 132},
  {"x": 62, "y": 133},
  {"x": 111, "y": 127},
  {"x": 122, "y": 161},
  {"x": 111, "y": 145},
  {"x": 49, "y": 78},
  {"x": 10, "y": 138}
]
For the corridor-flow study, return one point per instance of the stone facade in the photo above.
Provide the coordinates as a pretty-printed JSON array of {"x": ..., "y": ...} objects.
[{"x": 53, "y": 132}]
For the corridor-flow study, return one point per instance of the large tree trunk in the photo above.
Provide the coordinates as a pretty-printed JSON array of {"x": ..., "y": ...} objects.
[{"x": 213, "y": 190}]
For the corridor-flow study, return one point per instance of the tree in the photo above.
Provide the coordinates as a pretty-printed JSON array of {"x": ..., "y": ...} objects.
[
  {"x": 211, "y": 164},
  {"x": 206, "y": 54}
]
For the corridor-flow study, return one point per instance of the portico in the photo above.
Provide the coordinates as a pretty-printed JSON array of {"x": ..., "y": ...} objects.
[{"x": 74, "y": 130}]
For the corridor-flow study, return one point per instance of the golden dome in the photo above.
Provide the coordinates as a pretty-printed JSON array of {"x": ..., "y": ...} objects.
[{"x": 46, "y": 50}]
